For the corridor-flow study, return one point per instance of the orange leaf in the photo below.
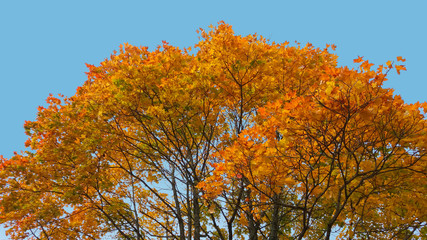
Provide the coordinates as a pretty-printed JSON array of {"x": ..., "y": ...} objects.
[
  {"x": 399, "y": 58},
  {"x": 400, "y": 68},
  {"x": 358, "y": 60}
]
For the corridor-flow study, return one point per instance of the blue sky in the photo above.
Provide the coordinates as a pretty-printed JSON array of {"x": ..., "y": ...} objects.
[{"x": 44, "y": 44}]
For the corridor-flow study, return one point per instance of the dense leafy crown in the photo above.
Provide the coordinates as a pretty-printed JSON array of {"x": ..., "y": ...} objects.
[{"x": 241, "y": 138}]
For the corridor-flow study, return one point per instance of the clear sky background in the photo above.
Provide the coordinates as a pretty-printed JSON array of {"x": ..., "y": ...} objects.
[{"x": 45, "y": 44}]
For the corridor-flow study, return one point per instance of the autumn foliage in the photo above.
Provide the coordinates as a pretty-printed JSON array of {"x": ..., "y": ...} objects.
[{"x": 239, "y": 138}]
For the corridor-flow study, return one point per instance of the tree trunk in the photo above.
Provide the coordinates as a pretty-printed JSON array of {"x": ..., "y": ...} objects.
[
  {"x": 275, "y": 219},
  {"x": 178, "y": 207},
  {"x": 196, "y": 213},
  {"x": 252, "y": 224}
]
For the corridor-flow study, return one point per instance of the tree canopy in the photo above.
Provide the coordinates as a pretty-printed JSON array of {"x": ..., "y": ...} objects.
[{"x": 235, "y": 138}]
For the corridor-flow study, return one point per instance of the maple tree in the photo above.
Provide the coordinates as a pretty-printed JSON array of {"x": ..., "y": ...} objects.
[{"x": 243, "y": 139}]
